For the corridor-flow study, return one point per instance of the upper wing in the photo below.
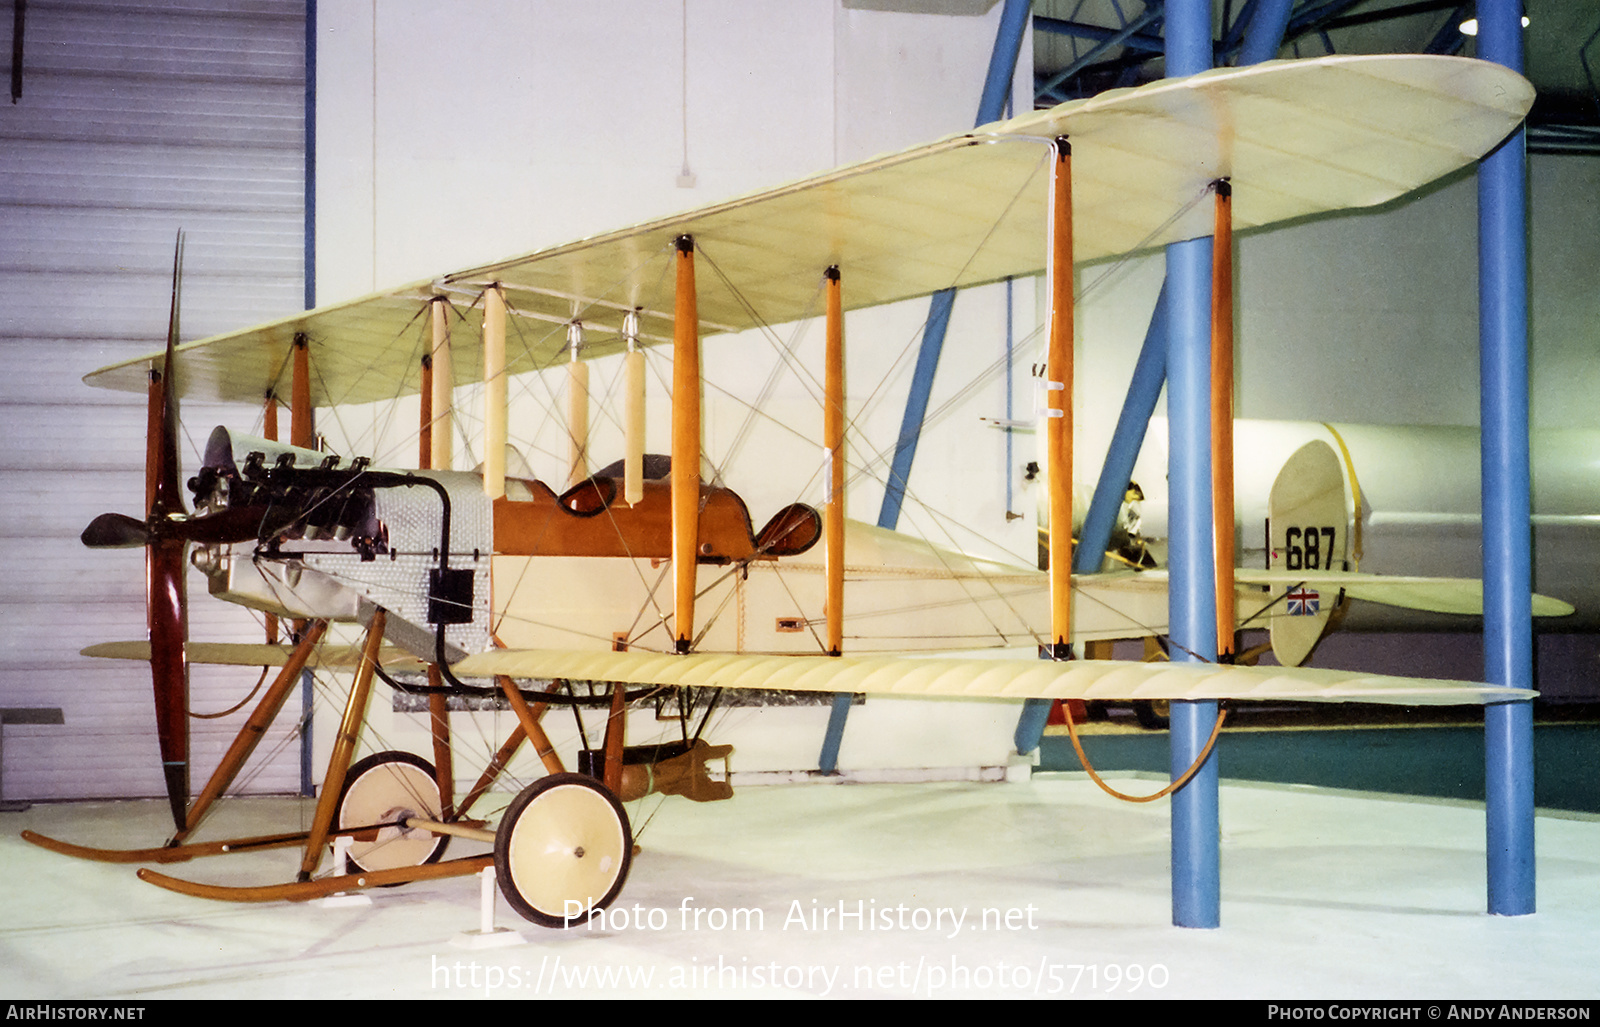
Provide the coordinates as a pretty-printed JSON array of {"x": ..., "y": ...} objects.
[
  {"x": 979, "y": 678},
  {"x": 1295, "y": 138}
]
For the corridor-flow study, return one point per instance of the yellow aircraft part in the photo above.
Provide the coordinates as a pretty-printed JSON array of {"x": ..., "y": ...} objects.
[
  {"x": 1295, "y": 137},
  {"x": 981, "y": 678},
  {"x": 1434, "y": 595},
  {"x": 258, "y": 654}
]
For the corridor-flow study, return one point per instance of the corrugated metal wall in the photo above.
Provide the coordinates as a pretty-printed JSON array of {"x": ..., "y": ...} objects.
[{"x": 134, "y": 120}]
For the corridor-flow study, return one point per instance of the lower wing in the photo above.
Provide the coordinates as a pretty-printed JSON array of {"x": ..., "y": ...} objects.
[
  {"x": 260, "y": 654},
  {"x": 968, "y": 677},
  {"x": 964, "y": 676}
]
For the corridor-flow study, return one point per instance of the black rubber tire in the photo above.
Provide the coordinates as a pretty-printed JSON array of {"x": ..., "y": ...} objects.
[
  {"x": 399, "y": 773},
  {"x": 573, "y": 818}
]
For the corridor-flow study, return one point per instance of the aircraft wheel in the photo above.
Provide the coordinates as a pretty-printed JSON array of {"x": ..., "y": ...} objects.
[
  {"x": 1153, "y": 714},
  {"x": 383, "y": 788},
  {"x": 563, "y": 850}
]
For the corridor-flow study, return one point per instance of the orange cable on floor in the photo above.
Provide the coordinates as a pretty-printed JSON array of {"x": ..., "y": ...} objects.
[{"x": 1194, "y": 768}]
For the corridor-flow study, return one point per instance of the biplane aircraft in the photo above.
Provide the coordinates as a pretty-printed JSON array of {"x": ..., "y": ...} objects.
[{"x": 648, "y": 579}]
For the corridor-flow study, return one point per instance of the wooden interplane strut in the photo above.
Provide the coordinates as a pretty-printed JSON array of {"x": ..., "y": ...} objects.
[
  {"x": 833, "y": 419},
  {"x": 302, "y": 429},
  {"x": 1058, "y": 403},
  {"x": 577, "y": 408},
  {"x": 441, "y": 388},
  {"x": 1222, "y": 419},
  {"x": 633, "y": 427},
  {"x": 685, "y": 447},
  {"x": 494, "y": 392}
]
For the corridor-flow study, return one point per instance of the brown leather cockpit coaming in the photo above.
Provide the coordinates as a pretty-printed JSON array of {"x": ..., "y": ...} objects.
[
  {"x": 792, "y": 531},
  {"x": 590, "y": 519}
]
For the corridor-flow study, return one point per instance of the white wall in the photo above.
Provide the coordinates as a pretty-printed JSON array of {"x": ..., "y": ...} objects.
[
  {"x": 1371, "y": 316},
  {"x": 134, "y": 121}
]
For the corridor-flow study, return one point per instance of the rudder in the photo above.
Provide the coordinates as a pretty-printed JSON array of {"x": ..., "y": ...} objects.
[{"x": 1307, "y": 529}]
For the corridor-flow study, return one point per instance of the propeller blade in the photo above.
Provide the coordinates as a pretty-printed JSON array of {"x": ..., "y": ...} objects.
[
  {"x": 166, "y": 567},
  {"x": 236, "y": 524},
  {"x": 115, "y": 531},
  {"x": 161, "y": 455},
  {"x": 166, "y": 603}
]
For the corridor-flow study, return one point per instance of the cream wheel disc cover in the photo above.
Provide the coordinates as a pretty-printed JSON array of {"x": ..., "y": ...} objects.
[
  {"x": 383, "y": 789},
  {"x": 564, "y": 850}
]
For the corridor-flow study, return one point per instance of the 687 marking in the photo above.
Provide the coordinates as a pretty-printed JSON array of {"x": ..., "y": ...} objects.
[{"x": 1305, "y": 550}]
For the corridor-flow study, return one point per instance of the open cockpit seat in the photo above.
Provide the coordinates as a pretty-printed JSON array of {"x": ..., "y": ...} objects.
[{"x": 592, "y": 519}]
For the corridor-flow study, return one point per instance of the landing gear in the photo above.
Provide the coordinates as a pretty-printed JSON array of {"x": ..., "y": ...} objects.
[
  {"x": 563, "y": 850},
  {"x": 385, "y": 788}
]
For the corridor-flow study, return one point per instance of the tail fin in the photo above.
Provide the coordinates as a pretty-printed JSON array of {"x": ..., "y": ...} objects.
[{"x": 1307, "y": 529}]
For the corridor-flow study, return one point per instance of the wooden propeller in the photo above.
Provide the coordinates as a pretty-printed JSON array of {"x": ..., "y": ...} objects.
[
  {"x": 165, "y": 534},
  {"x": 166, "y": 601}
]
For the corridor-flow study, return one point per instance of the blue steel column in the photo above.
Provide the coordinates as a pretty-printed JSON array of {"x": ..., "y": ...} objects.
[
  {"x": 905, "y": 444},
  {"x": 1264, "y": 36},
  {"x": 991, "y": 106},
  {"x": 1267, "y": 21},
  {"x": 1149, "y": 374},
  {"x": 1196, "y": 866},
  {"x": 1507, "y": 576}
]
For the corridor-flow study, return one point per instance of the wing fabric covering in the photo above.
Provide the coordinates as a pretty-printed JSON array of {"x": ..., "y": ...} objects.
[
  {"x": 952, "y": 677},
  {"x": 258, "y": 654},
  {"x": 1434, "y": 595},
  {"x": 982, "y": 678},
  {"x": 1295, "y": 137}
]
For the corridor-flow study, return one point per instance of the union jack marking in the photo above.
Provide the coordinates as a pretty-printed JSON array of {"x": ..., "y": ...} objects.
[{"x": 1302, "y": 602}]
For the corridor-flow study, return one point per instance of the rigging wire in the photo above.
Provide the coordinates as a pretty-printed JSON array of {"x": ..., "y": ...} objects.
[{"x": 785, "y": 351}]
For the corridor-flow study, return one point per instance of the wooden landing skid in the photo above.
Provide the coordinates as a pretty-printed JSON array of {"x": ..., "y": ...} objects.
[
  {"x": 542, "y": 878},
  {"x": 184, "y": 853},
  {"x": 302, "y": 891},
  {"x": 165, "y": 853}
]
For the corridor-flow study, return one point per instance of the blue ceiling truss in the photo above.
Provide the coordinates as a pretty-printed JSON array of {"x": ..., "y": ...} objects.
[{"x": 1563, "y": 121}]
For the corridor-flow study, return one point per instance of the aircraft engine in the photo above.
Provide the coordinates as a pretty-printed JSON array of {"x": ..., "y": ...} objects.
[{"x": 332, "y": 541}]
